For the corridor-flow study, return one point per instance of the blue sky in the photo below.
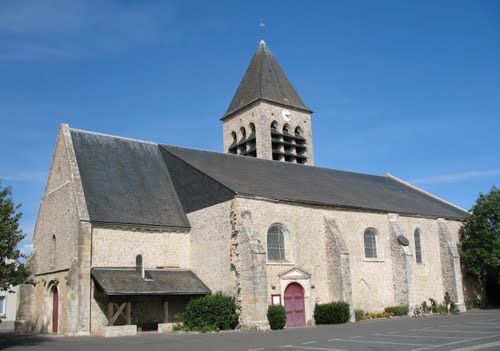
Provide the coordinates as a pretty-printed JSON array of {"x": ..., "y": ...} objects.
[{"x": 406, "y": 87}]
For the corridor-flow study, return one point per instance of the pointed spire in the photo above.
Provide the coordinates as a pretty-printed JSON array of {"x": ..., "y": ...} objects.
[{"x": 265, "y": 80}]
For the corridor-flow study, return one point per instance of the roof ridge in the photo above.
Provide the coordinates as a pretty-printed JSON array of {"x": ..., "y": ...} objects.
[
  {"x": 422, "y": 191},
  {"x": 114, "y": 136},
  {"x": 286, "y": 164}
]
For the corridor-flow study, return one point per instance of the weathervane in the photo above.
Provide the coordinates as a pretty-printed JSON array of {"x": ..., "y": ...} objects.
[{"x": 262, "y": 26}]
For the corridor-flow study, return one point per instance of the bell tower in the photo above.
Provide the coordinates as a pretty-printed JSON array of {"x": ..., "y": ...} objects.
[{"x": 267, "y": 118}]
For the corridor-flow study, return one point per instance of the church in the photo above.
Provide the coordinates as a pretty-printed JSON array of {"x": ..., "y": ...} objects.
[{"x": 128, "y": 231}]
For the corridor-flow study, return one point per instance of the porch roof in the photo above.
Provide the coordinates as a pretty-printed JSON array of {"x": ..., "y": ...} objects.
[{"x": 127, "y": 281}]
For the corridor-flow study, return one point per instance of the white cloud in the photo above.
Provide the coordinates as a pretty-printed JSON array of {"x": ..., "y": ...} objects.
[
  {"x": 455, "y": 177},
  {"x": 38, "y": 176},
  {"x": 60, "y": 30},
  {"x": 26, "y": 249}
]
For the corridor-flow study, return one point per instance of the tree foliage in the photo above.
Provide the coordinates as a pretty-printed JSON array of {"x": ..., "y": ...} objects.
[
  {"x": 480, "y": 238},
  {"x": 12, "y": 272}
]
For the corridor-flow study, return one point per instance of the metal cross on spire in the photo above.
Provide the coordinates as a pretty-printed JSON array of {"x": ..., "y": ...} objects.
[{"x": 262, "y": 27}]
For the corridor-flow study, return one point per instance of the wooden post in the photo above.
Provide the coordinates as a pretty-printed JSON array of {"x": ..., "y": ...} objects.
[
  {"x": 165, "y": 311},
  {"x": 110, "y": 313},
  {"x": 129, "y": 312}
]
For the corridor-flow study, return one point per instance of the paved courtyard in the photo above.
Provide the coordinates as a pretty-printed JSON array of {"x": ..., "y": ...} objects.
[{"x": 466, "y": 332}]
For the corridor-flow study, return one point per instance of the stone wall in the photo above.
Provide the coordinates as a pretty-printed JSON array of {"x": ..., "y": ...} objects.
[
  {"x": 118, "y": 247},
  {"x": 59, "y": 248},
  {"x": 248, "y": 262},
  {"x": 210, "y": 238},
  {"x": 57, "y": 216},
  {"x": 262, "y": 114},
  {"x": 428, "y": 276},
  {"x": 308, "y": 248},
  {"x": 37, "y": 304}
]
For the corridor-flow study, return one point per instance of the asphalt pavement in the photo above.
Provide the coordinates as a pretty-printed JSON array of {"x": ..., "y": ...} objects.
[{"x": 476, "y": 330}]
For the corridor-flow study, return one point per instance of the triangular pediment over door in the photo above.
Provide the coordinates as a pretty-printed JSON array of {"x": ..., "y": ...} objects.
[{"x": 295, "y": 274}]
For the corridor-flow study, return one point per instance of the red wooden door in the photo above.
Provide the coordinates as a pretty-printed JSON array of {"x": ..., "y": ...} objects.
[
  {"x": 294, "y": 305},
  {"x": 55, "y": 310}
]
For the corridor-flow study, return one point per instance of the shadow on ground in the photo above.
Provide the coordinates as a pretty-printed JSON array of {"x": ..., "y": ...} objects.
[{"x": 13, "y": 339}]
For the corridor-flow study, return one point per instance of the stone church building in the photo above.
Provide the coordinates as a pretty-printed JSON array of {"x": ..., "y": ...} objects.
[{"x": 129, "y": 231}]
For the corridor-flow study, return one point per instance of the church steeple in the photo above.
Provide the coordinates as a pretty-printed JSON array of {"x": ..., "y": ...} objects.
[
  {"x": 265, "y": 80},
  {"x": 267, "y": 118}
]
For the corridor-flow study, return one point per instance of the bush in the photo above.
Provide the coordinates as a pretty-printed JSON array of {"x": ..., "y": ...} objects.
[
  {"x": 332, "y": 313},
  {"x": 276, "y": 315},
  {"x": 441, "y": 309},
  {"x": 180, "y": 327},
  {"x": 398, "y": 310},
  {"x": 359, "y": 315},
  {"x": 211, "y": 313}
]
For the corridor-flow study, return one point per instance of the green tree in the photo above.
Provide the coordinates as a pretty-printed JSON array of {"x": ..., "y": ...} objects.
[
  {"x": 12, "y": 272},
  {"x": 480, "y": 239}
]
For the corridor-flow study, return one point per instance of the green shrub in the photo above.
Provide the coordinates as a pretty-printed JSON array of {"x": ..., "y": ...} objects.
[
  {"x": 211, "y": 313},
  {"x": 276, "y": 315},
  {"x": 180, "y": 327},
  {"x": 359, "y": 315},
  {"x": 441, "y": 309},
  {"x": 398, "y": 310},
  {"x": 332, "y": 313}
]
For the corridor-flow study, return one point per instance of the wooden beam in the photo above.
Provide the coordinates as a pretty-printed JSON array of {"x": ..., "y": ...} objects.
[
  {"x": 165, "y": 311},
  {"x": 110, "y": 313},
  {"x": 129, "y": 313},
  {"x": 119, "y": 312}
]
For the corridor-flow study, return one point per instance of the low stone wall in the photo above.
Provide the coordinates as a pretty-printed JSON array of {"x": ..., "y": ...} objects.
[
  {"x": 120, "y": 330},
  {"x": 7, "y": 326},
  {"x": 165, "y": 327}
]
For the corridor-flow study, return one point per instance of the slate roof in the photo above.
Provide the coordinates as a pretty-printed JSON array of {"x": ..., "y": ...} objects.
[
  {"x": 160, "y": 282},
  {"x": 264, "y": 79},
  {"x": 138, "y": 183},
  {"x": 126, "y": 181},
  {"x": 315, "y": 185}
]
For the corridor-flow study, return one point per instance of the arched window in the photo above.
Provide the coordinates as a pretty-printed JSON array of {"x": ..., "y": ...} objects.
[
  {"x": 138, "y": 264},
  {"x": 274, "y": 125},
  {"x": 233, "y": 134},
  {"x": 418, "y": 246},
  {"x": 276, "y": 243},
  {"x": 286, "y": 128},
  {"x": 243, "y": 133},
  {"x": 370, "y": 238},
  {"x": 251, "y": 149},
  {"x": 300, "y": 146},
  {"x": 298, "y": 131}
]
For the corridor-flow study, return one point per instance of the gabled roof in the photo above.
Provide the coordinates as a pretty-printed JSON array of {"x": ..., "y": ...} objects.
[
  {"x": 133, "y": 182},
  {"x": 126, "y": 181},
  {"x": 313, "y": 185},
  {"x": 265, "y": 80}
]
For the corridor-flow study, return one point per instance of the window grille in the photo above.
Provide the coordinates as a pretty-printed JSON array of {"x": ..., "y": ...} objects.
[
  {"x": 418, "y": 247},
  {"x": 370, "y": 243},
  {"x": 276, "y": 243}
]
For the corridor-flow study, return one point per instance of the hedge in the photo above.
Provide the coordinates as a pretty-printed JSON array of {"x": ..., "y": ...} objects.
[
  {"x": 398, "y": 310},
  {"x": 276, "y": 315},
  {"x": 359, "y": 315},
  {"x": 332, "y": 313},
  {"x": 211, "y": 312}
]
